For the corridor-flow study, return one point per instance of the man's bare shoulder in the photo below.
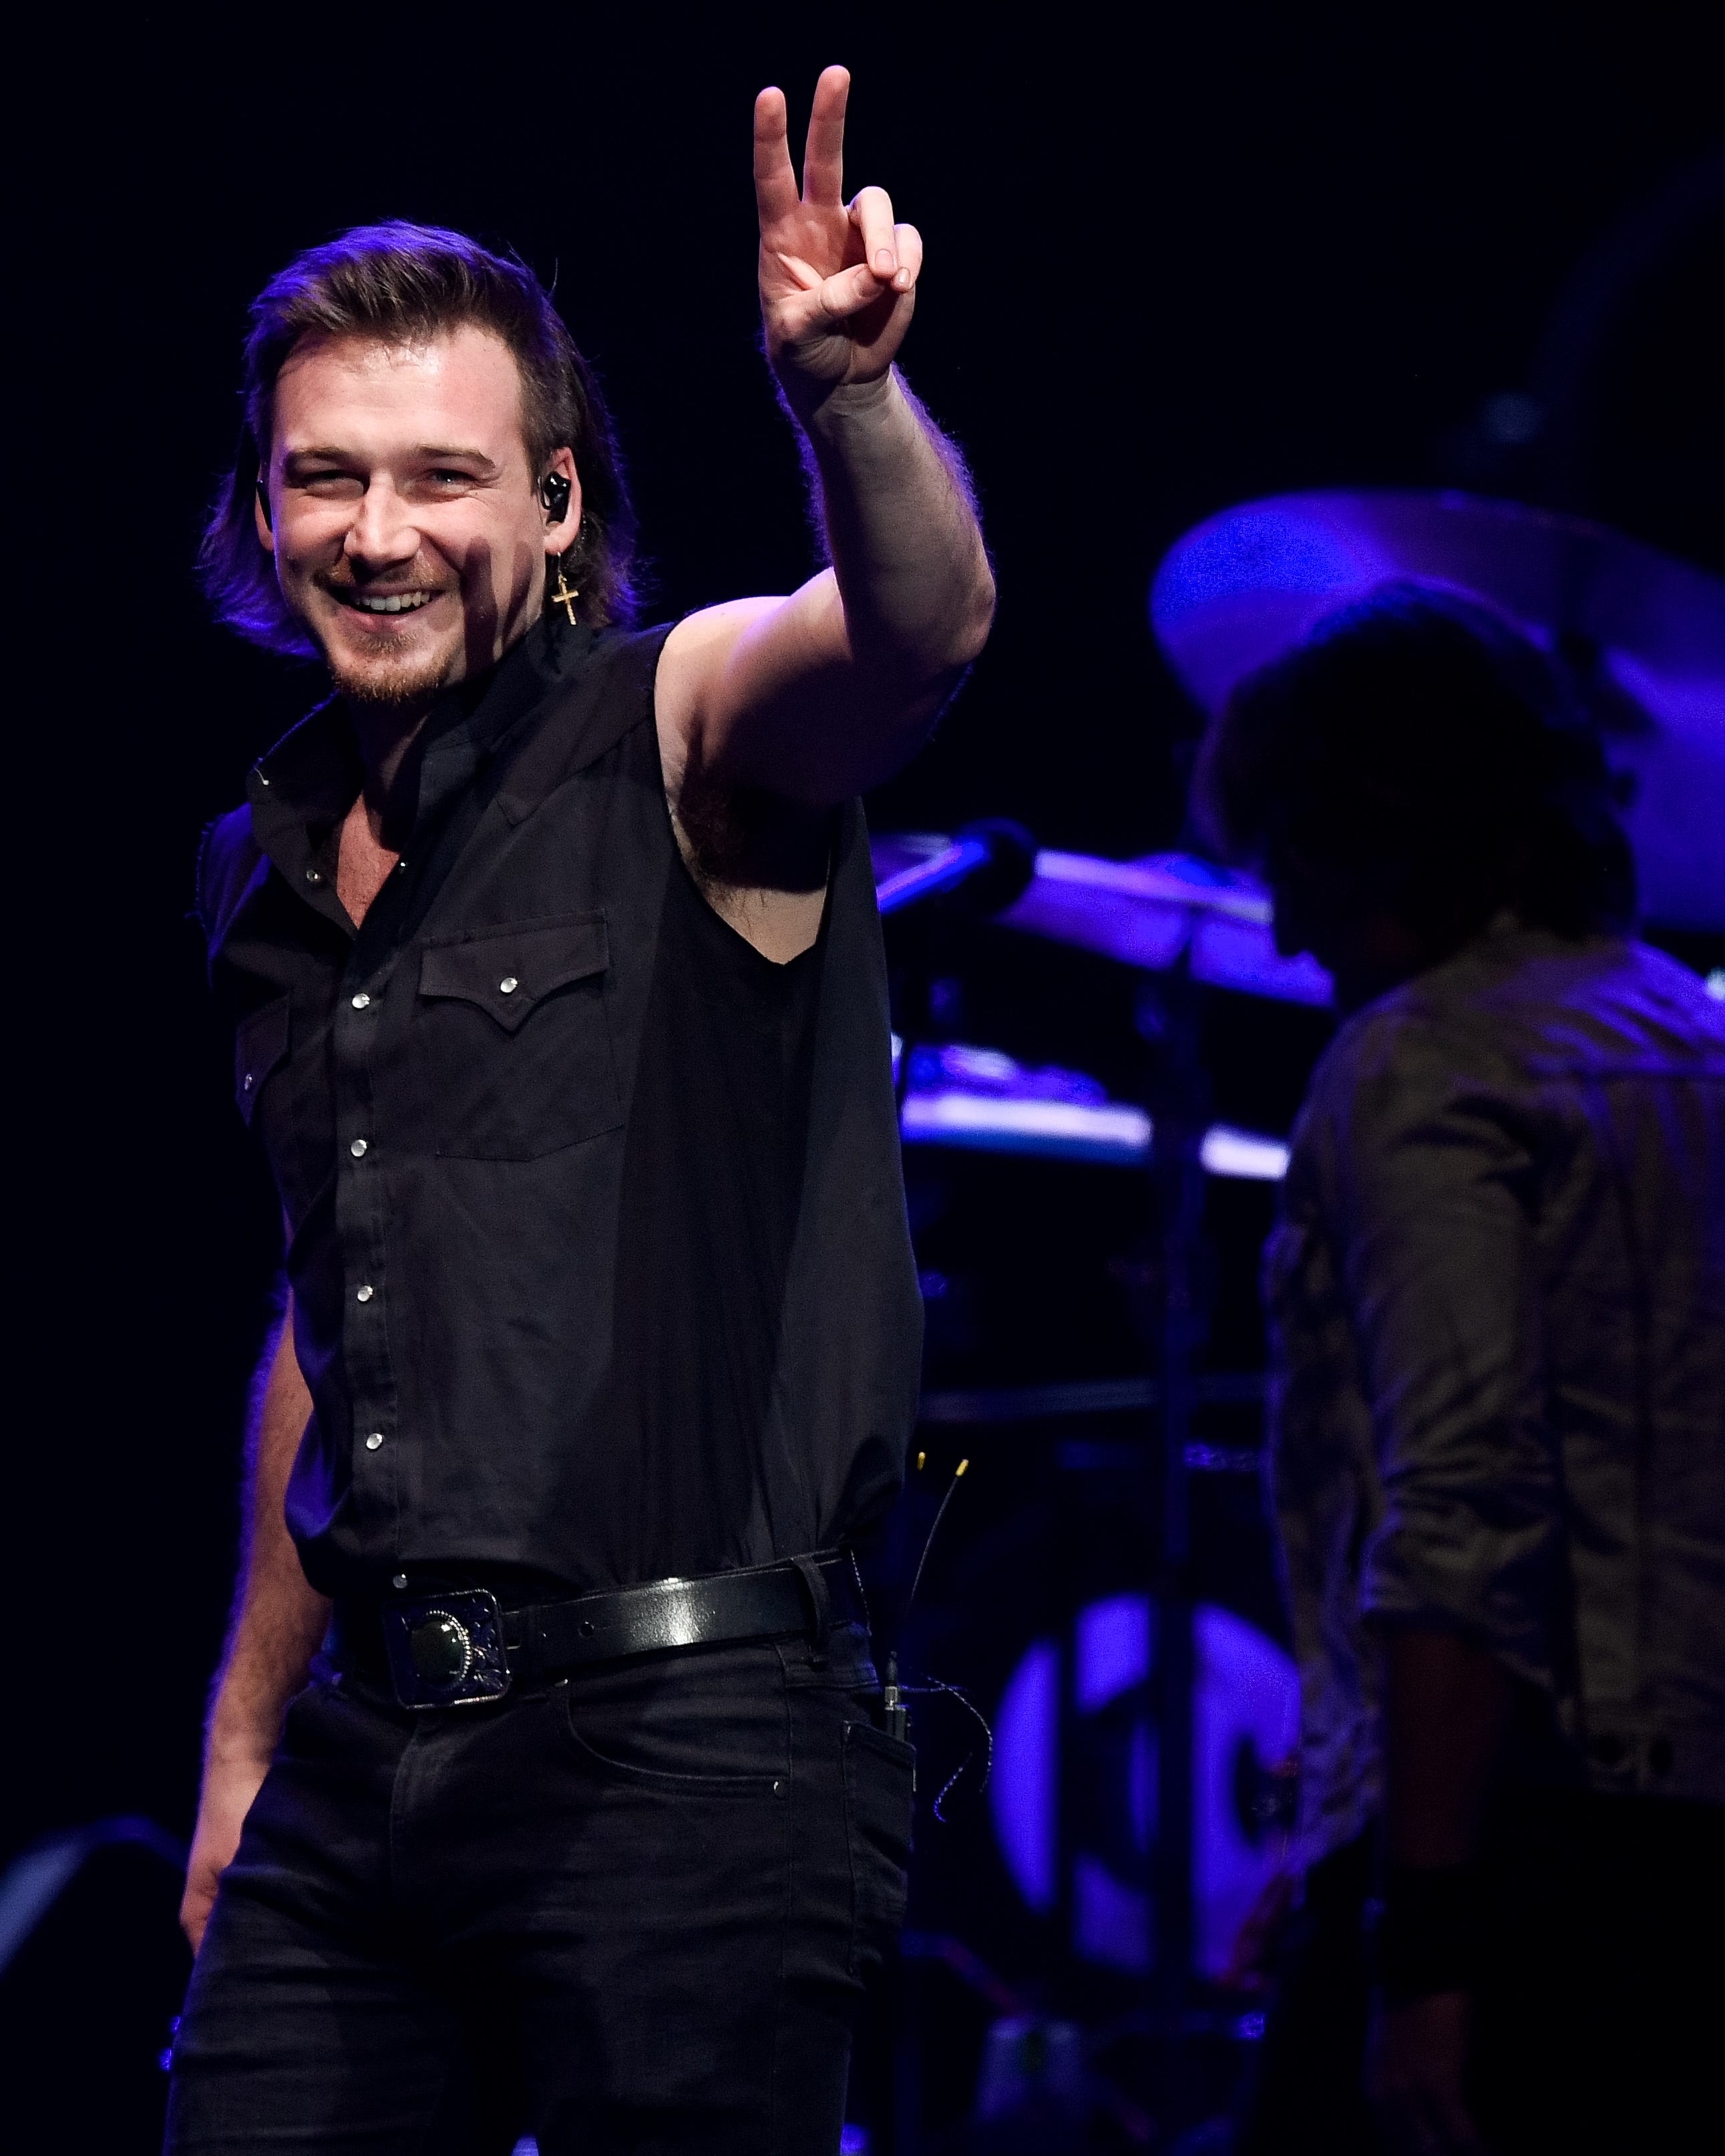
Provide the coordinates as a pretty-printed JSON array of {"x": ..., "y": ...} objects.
[
  {"x": 759, "y": 860},
  {"x": 688, "y": 688}
]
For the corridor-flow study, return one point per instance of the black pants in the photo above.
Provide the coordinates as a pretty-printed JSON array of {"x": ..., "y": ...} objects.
[
  {"x": 631, "y": 1911},
  {"x": 1597, "y": 2010}
]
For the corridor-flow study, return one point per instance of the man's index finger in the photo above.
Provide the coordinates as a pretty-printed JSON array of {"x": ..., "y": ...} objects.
[{"x": 775, "y": 178}]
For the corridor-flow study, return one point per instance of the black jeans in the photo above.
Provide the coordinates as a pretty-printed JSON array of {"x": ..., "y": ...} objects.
[{"x": 632, "y": 1909}]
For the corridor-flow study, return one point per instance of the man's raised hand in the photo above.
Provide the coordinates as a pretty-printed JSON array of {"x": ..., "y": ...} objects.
[{"x": 838, "y": 279}]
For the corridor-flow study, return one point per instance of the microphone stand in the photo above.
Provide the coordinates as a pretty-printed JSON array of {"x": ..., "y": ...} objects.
[{"x": 1180, "y": 1106}]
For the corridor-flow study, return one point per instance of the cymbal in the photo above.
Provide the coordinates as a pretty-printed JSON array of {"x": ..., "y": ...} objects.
[{"x": 1241, "y": 587}]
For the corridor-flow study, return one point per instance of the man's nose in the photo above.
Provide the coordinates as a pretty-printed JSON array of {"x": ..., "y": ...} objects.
[{"x": 383, "y": 533}]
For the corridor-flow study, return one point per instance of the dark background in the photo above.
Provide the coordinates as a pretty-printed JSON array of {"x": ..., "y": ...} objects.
[{"x": 1175, "y": 259}]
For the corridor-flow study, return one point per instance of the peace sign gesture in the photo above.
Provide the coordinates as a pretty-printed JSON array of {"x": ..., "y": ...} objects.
[{"x": 838, "y": 279}]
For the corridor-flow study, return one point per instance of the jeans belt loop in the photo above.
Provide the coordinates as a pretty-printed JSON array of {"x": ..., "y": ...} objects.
[
  {"x": 820, "y": 1605},
  {"x": 520, "y": 1642}
]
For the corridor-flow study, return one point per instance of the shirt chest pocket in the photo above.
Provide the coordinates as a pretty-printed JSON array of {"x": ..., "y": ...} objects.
[{"x": 509, "y": 1052}]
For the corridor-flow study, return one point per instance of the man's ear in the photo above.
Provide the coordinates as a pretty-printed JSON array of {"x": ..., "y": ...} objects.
[
  {"x": 260, "y": 514},
  {"x": 562, "y": 512}
]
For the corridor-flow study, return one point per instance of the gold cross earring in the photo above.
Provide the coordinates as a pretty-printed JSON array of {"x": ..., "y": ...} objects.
[{"x": 563, "y": 596}]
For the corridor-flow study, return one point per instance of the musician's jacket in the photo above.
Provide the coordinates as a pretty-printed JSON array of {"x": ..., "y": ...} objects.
[{"x": 1498, "y": 1291}]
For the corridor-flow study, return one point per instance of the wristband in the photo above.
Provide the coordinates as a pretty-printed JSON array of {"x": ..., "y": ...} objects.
[{"x": 1429, "y": 1930}]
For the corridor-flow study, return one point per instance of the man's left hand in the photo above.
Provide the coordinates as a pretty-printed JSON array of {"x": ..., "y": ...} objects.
[
  {"x": 838, "y": 279},
  {"x": 1415, "y": 2072}
]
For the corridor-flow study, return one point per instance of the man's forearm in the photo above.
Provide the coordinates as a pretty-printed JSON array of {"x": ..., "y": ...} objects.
[
  {"x": 912, "y": 572},
  {"x": 1448, "y": 1704},
  {"x": 807, "y": 700},
  {"x": 278, "y": 1618},
  {"x": 277, "y": 1623}
]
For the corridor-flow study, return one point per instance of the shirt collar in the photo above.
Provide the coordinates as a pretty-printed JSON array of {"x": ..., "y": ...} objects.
[{"x": 303, "y": 787}]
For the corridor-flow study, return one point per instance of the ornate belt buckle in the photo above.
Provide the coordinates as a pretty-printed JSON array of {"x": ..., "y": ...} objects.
[{"x": 446, "y": 1649}]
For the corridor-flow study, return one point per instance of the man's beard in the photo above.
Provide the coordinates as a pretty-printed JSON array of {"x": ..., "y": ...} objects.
[
  {"x": 385, "y": 676},
  {"x": 394, "y": 678}
]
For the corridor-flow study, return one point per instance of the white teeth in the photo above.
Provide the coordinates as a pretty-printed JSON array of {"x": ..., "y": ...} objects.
[{"x": 400, "y": 603}]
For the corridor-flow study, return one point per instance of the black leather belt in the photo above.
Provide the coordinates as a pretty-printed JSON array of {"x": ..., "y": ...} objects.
[{"x": 461, "y": 1646}]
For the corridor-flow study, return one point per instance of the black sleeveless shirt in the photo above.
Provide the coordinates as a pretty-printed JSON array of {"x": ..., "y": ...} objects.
[{"x": 596, "y": 1228}]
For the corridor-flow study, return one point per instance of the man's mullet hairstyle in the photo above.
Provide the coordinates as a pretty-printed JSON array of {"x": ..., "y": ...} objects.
[{"x": 402, "y": 284}]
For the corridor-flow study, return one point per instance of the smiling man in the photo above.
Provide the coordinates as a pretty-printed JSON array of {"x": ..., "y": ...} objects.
[{"x": 559, "y": 1005}]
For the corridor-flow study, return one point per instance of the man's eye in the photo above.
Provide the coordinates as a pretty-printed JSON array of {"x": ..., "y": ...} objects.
[
  {"x": 331, "y": 486},
  {"x": 437, "y": 484}
]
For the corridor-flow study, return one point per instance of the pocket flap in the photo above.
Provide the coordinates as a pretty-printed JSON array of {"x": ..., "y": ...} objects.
[
  {"x": 507, "y": 971},
  {"x": 260, "y": 1042}
]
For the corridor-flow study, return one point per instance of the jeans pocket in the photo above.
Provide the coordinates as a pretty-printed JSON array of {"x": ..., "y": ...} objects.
[
  {"x": 879, "y": 1796},
  {"x": 667, "y": 1730}
]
